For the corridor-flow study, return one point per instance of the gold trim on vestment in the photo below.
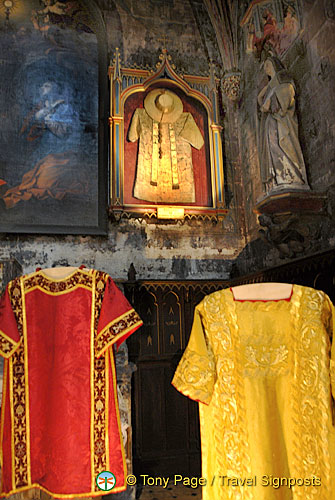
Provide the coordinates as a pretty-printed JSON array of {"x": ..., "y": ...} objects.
[
  {"x": 18, "y": 392},
  {"x": 99, "y": 383},
  {"x": 116, "y": 329},
  {"x": 99, "y": 416},
  {"x": 11, "y": 403},
  {"x": 92, "y": 380},
  {"x": 309, "y": 395},
  {"x": 57, "y": 287},
  {"x": 236, "y": 437},
  {"x": 63, "y": 292},
  {"x": 5, "y": 339},
  {"x": 26, "y": 379},
  {"x": 107, "y": 410},
  {"x": 154, "y": 161},
  {"x": 113, "y": 322},
  {"x": 3, "y": 404},
  {"x": 332, "y": 374},
  {"x": 112, "y": 362},
  {"x": 62, "y": 495},
  {"x": 174, "y": 159}
]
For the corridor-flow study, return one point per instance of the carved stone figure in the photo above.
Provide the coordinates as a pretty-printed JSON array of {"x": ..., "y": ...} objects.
[
  {"x": 291, "y": 235},
  {"x": 164, "y": 162},
  {"x": 284, "y": 234},
  {"x": 281, "y": 160}
]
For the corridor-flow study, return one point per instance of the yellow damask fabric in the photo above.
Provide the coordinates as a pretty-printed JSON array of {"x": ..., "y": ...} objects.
[{"x": 263, "y": 372}]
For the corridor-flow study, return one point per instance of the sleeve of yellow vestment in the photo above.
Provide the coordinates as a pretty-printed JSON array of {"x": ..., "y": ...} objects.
[{"x": 196, "y": 373}]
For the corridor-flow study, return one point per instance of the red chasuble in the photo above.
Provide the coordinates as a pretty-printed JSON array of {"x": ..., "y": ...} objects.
[{"x": 60, "y": 420}]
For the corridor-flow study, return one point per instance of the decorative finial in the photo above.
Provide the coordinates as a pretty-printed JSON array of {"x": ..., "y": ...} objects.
[{"x": 117, "y": 64}]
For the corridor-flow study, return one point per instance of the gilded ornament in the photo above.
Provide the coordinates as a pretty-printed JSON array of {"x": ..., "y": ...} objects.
[{"x": 231, "y": 85}]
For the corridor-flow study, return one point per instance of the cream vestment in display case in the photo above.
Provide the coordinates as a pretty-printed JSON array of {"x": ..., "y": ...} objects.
[
  {"x": 263, "y": 373},
  {"x": 164, "y": 161}
]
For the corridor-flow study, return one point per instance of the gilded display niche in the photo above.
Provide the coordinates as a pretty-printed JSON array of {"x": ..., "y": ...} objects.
[{"x": 166, "y": 152}]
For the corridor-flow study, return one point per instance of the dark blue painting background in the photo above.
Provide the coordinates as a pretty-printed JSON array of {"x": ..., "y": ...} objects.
[{"x": 49, "y": 114}]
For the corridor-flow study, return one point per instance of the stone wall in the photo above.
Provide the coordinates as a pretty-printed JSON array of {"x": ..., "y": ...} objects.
[
  {"x": 197, "y": 251},
  {"x": 142, "y": 29},
  {"x": 158, "y": 251},
  {"x": 311, "y": 62},
  {"x": 201, "y": 250}
]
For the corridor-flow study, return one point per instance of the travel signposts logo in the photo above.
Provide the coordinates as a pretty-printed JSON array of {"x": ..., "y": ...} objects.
[{"x": 106, "y": 480}]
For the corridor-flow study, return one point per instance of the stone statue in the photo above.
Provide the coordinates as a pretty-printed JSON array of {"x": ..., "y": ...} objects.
[
  {"x": 281, "y": 160},
  {"x": 164, "y": 162}
]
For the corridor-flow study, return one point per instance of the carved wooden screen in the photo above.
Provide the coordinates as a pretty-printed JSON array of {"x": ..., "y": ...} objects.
[{"x": 165, "y": 423}]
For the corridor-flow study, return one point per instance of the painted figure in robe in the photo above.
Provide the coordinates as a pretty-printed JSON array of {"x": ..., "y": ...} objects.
[{"x": 52, "y": 124}]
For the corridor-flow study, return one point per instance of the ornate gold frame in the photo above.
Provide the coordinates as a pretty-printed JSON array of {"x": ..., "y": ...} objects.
[{"x": 127, "y": 81}]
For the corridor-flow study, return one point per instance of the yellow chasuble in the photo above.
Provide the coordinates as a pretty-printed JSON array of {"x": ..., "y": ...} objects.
[{"x": 263, "y": 373}]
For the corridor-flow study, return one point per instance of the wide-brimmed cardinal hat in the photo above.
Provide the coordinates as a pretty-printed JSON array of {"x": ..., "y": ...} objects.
[{"x": 163, "y": 105}]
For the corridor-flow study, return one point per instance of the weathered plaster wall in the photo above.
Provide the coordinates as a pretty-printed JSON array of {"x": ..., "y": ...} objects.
[
  {"x": 315, "y": 68},
  {"x": 157, "y": 252},
  {"x": 164, "y": 251},
  {"x": 311, "y": 62},
  {"x": 139, "y": 28}
]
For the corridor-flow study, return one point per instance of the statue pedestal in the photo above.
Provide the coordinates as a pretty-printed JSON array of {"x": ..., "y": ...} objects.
[{"x": 291, "y": 202}]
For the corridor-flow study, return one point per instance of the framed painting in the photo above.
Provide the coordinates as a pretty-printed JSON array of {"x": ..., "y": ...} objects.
[
  {"x": 53, "y": 154},
  {"x": 166, "y": 158}
]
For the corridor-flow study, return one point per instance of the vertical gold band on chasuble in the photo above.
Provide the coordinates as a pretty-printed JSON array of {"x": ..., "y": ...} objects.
[
  {"x": 114, "y": 382},
  {"x": 98, "y": 386},
  {"x": 19, "y": 395},
  {"x": 2, "y": 420}
]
